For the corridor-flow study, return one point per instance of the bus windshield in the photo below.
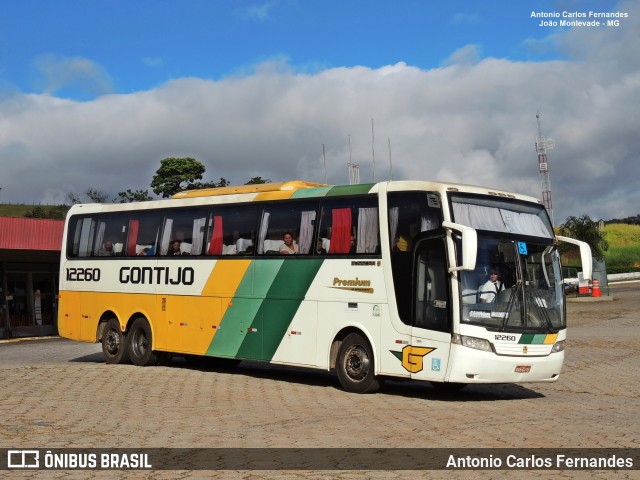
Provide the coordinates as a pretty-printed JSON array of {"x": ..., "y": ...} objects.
[{"x": 515, "y": 287}]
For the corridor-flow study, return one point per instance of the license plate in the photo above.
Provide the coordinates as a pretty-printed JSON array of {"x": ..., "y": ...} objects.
[{"x": 523, "y": 368}]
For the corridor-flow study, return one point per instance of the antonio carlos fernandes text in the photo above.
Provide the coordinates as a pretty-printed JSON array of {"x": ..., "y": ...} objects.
[{"x": 532, "y": 461}]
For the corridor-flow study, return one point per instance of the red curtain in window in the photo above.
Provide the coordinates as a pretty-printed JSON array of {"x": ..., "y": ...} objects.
[
  {"x": 134, "y": 225},
  {"x": 215, "y": 246},
  {"x": 340, "y": 230}
]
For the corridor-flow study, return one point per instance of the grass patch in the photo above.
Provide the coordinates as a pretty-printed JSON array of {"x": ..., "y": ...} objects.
[
  {"x": 621, "y": 235},
  {"x": 34, "y": 211}
]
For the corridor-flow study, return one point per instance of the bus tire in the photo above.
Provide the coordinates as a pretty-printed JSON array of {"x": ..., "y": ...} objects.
[
  {"x": 355, "y": 366},
  {"x": 115, "y": 347},
  {"x": 141, "y": 343}
]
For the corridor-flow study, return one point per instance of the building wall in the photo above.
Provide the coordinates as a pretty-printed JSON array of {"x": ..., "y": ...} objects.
[{"x": 29, "y": 270}]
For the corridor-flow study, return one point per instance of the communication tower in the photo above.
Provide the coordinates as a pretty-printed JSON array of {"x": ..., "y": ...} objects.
[
  {"x": 542, "y": 145},
  {"x": 354, "y": 170}
]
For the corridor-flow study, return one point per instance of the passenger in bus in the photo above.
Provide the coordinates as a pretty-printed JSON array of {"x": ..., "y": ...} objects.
[
  {"x": 490, "y": 289},
  {"x": 290, "y": 247},
  {"x": 354, "y": 245},
  {"x": 319, "y": 249},
  {"x": 174, "y": 249},
  {"x": 106, "y": 250},
  {"x": 401, "y": 244}
]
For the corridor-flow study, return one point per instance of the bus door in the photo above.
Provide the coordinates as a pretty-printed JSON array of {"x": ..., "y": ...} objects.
[{"x": 431, "y": 311}]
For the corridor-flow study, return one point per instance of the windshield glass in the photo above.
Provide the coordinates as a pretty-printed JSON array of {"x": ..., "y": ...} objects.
[
  {"x": 501, "y": 215},
  {"x": 516, "y": 286}
]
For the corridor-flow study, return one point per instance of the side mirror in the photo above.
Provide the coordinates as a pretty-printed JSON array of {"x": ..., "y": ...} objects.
[
  {"x": 469, "y": 245},
  {"x": 585, "y": 255}
]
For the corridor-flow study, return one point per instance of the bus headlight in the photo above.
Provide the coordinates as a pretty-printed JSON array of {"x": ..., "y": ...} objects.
[
  {"x": 472, "y": 342},
  {"x": 558, "y": 346}
]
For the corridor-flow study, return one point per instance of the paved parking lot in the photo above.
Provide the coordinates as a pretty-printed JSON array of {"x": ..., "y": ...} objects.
[{"x": 57, "y": 393}]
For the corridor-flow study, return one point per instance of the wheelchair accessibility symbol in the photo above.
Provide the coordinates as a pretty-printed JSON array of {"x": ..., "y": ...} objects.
[
  {"x": 435, "y": 364},
  {"x": 522, "y": 248}
]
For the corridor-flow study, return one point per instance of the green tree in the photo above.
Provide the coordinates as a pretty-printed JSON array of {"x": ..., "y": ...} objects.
[
  {"x": 133, "y": 196},
  {"x": 36, "y": 212},
  {"x": 96, "y": 196},
  {"x": 57, "y": 212},
  {"x": 584, "y": 229},
  {"x": 175, "y": 175},
  {"x": 73, "y": 198},
  {"x": 257, "y": 180},
  {"x": 198, "y": 185}
]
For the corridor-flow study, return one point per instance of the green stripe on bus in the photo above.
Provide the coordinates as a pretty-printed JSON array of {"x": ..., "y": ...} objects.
[
  {"x": 264, "y": 273},
  {"x": 533, "y": 338},
  {"x": 311, "y": 192},
  {"x": 357, "y": 189},
  {"x": 244, "y": 313},
  {"x": 526, "y": 338},
  {"x": 276, "y": 313},
  {"x": 230, "y": 335},
  {"x": 539, "y": 338},
  {"x": 233, "y": 328},
  {"x": 291, "y": 285}
]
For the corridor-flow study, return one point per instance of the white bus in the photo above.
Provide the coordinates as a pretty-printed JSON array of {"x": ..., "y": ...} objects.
[{"x": 370, "y": 280}]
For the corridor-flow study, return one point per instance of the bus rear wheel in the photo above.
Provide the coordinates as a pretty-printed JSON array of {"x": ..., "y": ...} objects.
[
  {"x": 114, "y": 343},
  {"x": 355, "y": 365},
  {"x": 140, "y": 344}
]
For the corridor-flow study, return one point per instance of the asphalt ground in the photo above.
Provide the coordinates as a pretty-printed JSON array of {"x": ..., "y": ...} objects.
[{"x": 60, "y": 394}]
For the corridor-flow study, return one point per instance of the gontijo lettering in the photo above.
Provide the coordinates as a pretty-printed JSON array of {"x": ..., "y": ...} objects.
[{"x": 157, "y": 275}]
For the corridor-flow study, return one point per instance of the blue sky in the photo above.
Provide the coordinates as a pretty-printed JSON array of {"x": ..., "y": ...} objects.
[
  {"x": 139, "y": 45},
  {"x": 92, "y": 89}
]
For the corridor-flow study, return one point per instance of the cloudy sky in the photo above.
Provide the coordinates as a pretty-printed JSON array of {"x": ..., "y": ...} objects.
[{"x": 95, "y": 94}]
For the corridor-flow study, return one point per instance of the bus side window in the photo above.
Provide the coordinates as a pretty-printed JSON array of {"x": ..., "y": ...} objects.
[
  {"x": 231, "y": 230},
  {"x": 431, "y": 289},
  {"x": 187, "y": 226},
  {"x": 143, "y": 232},
  {"x": 287, "y": 228},
  {"x": 81, "y": 242},
  {"x": 410, "y": 214},
  {"x": 350, "y": 227},
  {"x": 110, "y": 235}
]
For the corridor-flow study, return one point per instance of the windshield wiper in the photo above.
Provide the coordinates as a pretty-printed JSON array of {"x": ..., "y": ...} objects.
[
  {"x": 535, "y": 298},
  {"x": 510, "y": 304}
]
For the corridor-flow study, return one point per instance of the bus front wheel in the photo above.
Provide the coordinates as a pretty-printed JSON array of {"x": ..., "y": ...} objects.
[
  {"x": 355, "y": 365},
  {"x": 140, "y": 343},
  {"x": 114, "y": 343}
]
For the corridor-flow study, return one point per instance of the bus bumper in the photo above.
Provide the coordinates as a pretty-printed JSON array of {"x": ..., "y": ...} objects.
[{"x": 469, "y": 365}]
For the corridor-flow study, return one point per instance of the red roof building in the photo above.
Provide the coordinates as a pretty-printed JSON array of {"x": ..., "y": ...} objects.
[
  {"x": 30, "y": 234},
  {"x": 29, "y": 269}
]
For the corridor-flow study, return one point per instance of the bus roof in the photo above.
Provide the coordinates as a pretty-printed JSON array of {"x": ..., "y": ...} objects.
[
  {"x": 295, "y": 189},
  {"x": 292, "y": 185}
]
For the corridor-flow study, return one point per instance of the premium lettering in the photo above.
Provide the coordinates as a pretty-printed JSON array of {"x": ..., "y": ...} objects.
[{"x": 338, "y": 282}]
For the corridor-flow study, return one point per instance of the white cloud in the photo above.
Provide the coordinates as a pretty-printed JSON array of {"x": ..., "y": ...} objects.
[
  {"x": 471, "y": 122},
  {"x": 57, "y": 73},
  {"x": 467, "y": 55}
]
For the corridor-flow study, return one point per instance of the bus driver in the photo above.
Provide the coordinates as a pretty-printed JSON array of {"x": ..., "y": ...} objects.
[{"x": 490, "y": 289}]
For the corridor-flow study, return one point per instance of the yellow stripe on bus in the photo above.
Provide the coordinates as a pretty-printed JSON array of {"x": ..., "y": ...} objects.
[
  {"x": 276, "y": 195},
  {"x": 225, "y": 278}
]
